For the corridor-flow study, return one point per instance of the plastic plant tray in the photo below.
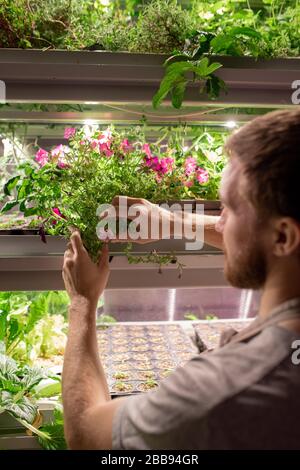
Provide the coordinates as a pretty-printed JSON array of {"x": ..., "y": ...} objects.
[
  {"x": 137, "y": 357},
  {"x": 210, "y": 331}
]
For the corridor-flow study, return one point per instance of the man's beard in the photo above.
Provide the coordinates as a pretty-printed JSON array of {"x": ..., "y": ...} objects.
[{"x": 248, "y": 269}]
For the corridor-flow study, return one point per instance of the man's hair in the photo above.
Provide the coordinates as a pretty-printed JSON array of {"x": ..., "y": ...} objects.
[{"x": 269, "y": 149}]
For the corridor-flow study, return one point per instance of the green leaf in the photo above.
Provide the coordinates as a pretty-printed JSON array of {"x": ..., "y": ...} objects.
[
  {"x": 178, "y": 94},
  {"x": 214, "y": 86},
  {"x": 27, "y": 211},
  {"x": 3, "y": 325},
  {"x": 191, "y": 317},
  {"x": 211, "y": 317},
  {"x": 105, "y": 319},
  {"x": 222, "y": 43},
  {"x": 24, "y": 189},
  {"x": 14, "y": 329},
  {"x": 32, "y": 376},
  {"x": 8, "y": 205},
  {"x": 9, "y": 380},
  {"x": 30, "y": 211},
  {"x": 201, "y": 67},
  {"x": 213, "y": 67},
  {"x": 48, "y": 388},
  {"x": 37, "y": 309},
  {"x": 55, "y": 437},
  {"x": 176, "y": 58},
  {"x": 54, "y": 432},
  {"x": 205, "y": 40},
  {"x": 22, "y": 408},
  {"x": 27, "y": 168},
  {"x": 244, "y": 31},
  {"x": 10, "y": 185},
  {"x": 174, "y": 74}
]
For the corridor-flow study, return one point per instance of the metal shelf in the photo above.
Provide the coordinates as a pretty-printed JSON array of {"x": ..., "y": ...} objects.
[
  {"x": 44, "y": 273},
  {"x": 85, "y": 76},
  {"x": 28, "y": 264}
]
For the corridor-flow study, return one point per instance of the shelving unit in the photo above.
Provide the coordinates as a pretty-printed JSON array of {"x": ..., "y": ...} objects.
[{"x": 117, "y": 88}]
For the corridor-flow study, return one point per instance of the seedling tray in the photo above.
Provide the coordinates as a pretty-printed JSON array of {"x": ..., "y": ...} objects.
[{"x": 137, "y": 357}]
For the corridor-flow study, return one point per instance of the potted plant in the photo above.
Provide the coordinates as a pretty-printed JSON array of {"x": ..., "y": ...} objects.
[{"x": 64, "y": 187}]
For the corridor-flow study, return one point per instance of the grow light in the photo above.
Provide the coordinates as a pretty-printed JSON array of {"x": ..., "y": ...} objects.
[{"x": 231, "y": 124}]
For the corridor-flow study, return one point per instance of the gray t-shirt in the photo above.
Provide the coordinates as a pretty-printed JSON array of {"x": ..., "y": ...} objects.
[{"x": 244, "y": 395}]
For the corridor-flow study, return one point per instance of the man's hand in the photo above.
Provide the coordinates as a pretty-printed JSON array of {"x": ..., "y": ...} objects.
[
  {"x": 155, "y": 215},
  {"x": 82, "y": 277}
]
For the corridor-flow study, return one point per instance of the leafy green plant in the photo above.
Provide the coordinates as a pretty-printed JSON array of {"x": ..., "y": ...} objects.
[
  {"x": 161, "y": 27},
  {"x": 65, "y": 24},
  {"x": 27, "y": 327},
  {"x": 211, "y": 317},
  {"x": 179, "y": 74},
  {"x": 103, "y": 318},
  {"x": 182, "y": 68},
  {"x": 18, "y": 397},
  {"x": 53, "y": 437},
  {"x": 190, "y": 316},
  {"x": 155, "y": 258},
  {"x": 120, "y": 376},
  {"x": 276, "y": 22},
  {"x": 150, "y": 383}
]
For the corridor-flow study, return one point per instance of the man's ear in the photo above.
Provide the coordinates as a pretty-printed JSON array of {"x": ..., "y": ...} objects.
[{"x": 286, "y": 236}]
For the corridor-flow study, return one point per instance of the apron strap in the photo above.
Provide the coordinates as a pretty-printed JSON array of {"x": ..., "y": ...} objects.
[{"x": 258, "y": 325}]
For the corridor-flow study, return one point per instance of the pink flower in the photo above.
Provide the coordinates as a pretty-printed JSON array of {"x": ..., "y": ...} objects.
[
  {"x": 105, "y": 148},
  {"x": 42, "y": 157},
  {"x": 94, "y": 143},
  {"x": 202, "y": 175},
  {"x": 158, "y": 168},
  {"x": 146, "y": 149},
  {"x": 170, "y": 160},
  {"x": 57, "y": 151},
  {"x": 61, "y": 164},
  {"x": 125, "y": 146},
  {"x": 190, "y": 166},
  {"x": 188, "y": 183},
  {"x": 155, "y": 161},
  {"x": 161, "y": 167},
  {"x": 166, "y": 165},
  {"x": 105, "y": 137},
  {"x": 58, "y": 155},
  {"x": 69, "y": 132},
  {"x": 57, "y": 212},
  {"x": 148, "y": 161}
]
